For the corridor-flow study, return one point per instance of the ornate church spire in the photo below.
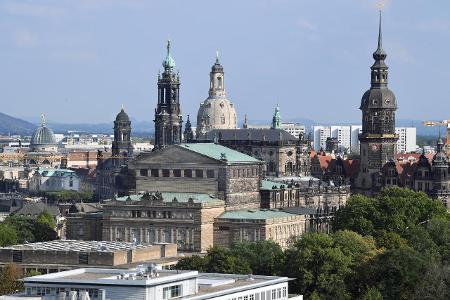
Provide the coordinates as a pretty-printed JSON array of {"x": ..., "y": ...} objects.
[
  {"x": 379, "y": 68},
  {"x": 168, "y": 119},
  {"x": 168, "y": 63},
  {"x": 276, "y": 120}
]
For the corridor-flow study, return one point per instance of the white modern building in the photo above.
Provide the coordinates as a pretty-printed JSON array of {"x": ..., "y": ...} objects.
[
  {"x": 151, "y": 283},
  {"x": 293, "y": 128},
  {"x": 406, "y": 139},
  {"x": 347, "y": 136}
]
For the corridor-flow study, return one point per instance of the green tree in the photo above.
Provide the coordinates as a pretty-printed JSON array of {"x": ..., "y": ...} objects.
[
  {"x": 9, "y": 280},
  {"x": 393, "y": 209},
  {"x": 395, "y": 272},
  {"x": 263, "y": 257},
  {"x": 221, "y": 260},
  {"x": 435, "y": 283},
  {"x": 8, "y": 235},
  {"x": 389, "y": 240},
  {"x": 194, "y": 262},
  {"x": 23, "y": 226},
  {"x": 319, "y": 266},
  {"x": 439, "y": 231},
  {"x": 46, "y": 218},
  {"x": 372, "y": 294}
]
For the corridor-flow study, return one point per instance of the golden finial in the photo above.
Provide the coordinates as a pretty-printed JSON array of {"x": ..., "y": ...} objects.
[{"x": 381, "y": 5}]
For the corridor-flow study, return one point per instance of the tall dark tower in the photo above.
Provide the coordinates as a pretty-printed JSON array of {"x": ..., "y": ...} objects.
[
  {"x": 188, "y": 132},
  {"x": 441, "y": 180},
  {"x": 378, "y": 140},
  {"x": 121, "y": 146},
  {"x": 168, "y": 118}
]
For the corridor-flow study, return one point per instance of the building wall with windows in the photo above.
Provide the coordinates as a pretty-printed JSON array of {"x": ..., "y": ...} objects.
[{"x": 143, "y": 284}]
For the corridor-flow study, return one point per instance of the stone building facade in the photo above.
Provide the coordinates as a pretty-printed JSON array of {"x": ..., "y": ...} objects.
[
  {"x": 258, "y": 225},
  {"x": 279, "y": 150},
  {"x": 185, "y": 219},
  {"x": 204, "y": 168}
]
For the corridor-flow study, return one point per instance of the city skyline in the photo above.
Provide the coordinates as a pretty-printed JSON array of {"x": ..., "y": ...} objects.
[{"x": 76, "y": 60}]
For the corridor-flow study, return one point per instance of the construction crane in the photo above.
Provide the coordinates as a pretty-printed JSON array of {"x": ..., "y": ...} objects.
[
  {"x": 437, "y": 123},
  {"x": 445, "y": 123}
]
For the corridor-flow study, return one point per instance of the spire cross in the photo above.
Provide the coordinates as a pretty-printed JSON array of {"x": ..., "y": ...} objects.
[
  {"x": 217, "y": 55},
  {"x": 168, "y": 47}
]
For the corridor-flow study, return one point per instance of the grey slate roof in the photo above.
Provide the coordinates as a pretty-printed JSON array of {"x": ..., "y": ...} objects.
[
  {"x": 34, "y": 209},
  {"x": 254, "y": 134}
]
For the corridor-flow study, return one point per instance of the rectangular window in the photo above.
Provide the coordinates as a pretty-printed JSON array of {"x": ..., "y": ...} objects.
[
  {"x": 83, "y": 258},
  {"x": 172, "y": 292},
  {"x": 143, "y": 172},
  {"x": 210, "y": 173},
  {"x": 274, "y": 294},
  {"x": 155, "y": 172},
  {"x": 279, "y": 293},
  {"x": 188, "y": 173},
  {"x": 199, "y": 173},
  {"x": 284, "y": 292},
  {"x": 17, "y": 256},
  {"x": 177, "y": 173},
  {"x": 165, "y": 173}
]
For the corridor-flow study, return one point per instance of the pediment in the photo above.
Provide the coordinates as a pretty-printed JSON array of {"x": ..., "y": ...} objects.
[{"x": 173, "y": 155}]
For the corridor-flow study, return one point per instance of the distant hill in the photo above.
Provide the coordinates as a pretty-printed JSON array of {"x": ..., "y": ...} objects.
[
  {"x": 11, "y": 125},
  {"x": 137, "y": 127}
]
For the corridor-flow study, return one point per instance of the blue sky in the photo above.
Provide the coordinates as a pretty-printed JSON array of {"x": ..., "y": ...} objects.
[{"x": 79, "y": 60}]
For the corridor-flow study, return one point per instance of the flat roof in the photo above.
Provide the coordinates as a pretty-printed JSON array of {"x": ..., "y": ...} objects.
[
  {"x": 209, "y": 284},
  {"x": 78, "y": 246}
]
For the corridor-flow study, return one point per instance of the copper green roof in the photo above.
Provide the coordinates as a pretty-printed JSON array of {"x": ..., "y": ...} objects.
[
  {"x": 219, "y": 152},
  {"x": 256, "y": 214},
  {"x": 50, "y": 172},
  {"x": 181, "y": 197},
  {"x": 268, "y": 185}
]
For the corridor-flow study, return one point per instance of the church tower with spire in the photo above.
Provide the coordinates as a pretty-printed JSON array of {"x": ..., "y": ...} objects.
[
  {"x": 168, "y": 118},
  {"x": 378, "y": 140},
  {"x": 276, "y": 119}
]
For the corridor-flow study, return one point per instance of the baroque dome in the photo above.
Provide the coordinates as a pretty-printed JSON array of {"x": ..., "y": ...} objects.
[
  {"x": 43, "y": 138},
  {"x": 216, "y": 112},
  {"x": 122, "y": 116}
]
